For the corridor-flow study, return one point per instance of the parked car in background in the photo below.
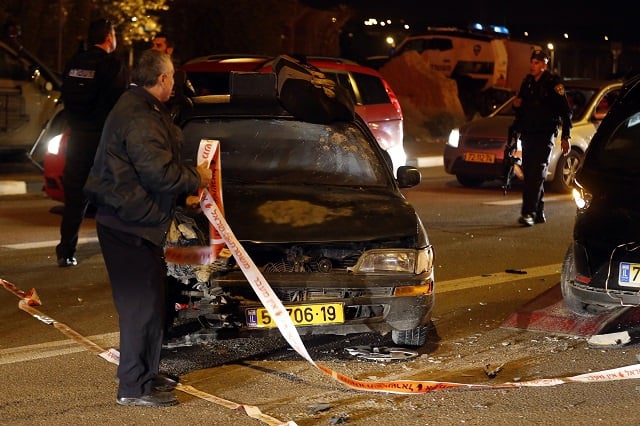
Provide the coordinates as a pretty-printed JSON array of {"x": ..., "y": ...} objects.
[
  {"x": 29, "y": 93},
  {"x": 601, "y": 270},
  {"x": 474, "y": 153},
  {"x": 319, "y": 212}
]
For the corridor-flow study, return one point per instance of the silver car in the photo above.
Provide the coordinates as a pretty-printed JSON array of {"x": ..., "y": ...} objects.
[{"x": 474, "y": 153}]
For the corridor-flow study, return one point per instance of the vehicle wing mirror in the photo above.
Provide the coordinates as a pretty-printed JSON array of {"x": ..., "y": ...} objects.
[{"x": 408, "y": 176}]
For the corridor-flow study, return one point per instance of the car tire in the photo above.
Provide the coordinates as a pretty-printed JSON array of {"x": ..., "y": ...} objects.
[
  {"x": 415, "y": 337},
  {"x": 469, "y": 181},
  {"x": 566, "y": 171}
]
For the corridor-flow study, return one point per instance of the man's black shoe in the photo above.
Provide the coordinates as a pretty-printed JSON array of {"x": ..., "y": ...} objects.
[
  {"x": 526, "y": 220},
  {"x": 154, "y": 399},
  {"x": 163, "y": 383},
  {"x": 540, "y": 218},
  {"x": 63, "y": 262}
]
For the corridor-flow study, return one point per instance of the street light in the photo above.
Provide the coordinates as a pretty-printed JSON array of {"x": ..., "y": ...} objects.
[{"x": 552, "y": 56}]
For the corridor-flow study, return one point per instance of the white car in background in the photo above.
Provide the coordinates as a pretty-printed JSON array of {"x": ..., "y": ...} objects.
[{"x": 474, "y": 152}]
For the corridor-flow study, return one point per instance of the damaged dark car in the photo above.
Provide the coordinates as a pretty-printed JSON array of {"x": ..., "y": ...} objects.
[
  {"x": 318, "y": 209},
  {"x": 601, "y": 270}
]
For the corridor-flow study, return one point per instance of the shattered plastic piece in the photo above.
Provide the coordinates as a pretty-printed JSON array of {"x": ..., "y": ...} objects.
[
  {"x": 382, "y": 353},
  {"x": 317, "y": 408},
  {"x": 612, "y": 340}
]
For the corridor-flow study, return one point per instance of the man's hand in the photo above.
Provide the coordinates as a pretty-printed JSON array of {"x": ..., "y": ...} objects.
[
  {"x": 565, "y": 144},
  {"x": 205, "y": 175}
]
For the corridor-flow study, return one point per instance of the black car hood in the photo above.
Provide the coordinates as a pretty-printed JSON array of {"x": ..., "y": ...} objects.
[{"x": 289, "y": 213}]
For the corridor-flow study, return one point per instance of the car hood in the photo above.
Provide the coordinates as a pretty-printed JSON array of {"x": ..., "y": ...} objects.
[
  {"x": 489, "y": 127},
  {"x": 288, "y": 213}
]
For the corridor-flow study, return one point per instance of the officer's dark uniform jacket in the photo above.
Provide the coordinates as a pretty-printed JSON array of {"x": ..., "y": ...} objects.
[
  {"x": 93, "y": 82},
  {"x": 544, "y": 106},
  {"x": 137, "y": 174}
]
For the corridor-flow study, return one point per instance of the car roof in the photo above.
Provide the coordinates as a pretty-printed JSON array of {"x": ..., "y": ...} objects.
[{"x": 225, "y": 62}]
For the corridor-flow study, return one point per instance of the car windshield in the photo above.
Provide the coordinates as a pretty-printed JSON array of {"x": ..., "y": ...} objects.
[
  {"x": 284, "y": 151},
  {"x": 620, "y": 154},
  {"x": 578, "y": 97}
]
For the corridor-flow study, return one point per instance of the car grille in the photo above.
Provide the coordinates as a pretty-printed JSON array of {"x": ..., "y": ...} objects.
[{"x": 313, "y": 294}]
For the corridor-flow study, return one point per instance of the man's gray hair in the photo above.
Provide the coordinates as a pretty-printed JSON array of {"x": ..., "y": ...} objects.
[{"x": 150, "y": 65}]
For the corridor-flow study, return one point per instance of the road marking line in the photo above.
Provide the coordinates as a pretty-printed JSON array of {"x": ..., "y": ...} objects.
[
  {"x": 12, "y": 187},
  {"x": 55, "y": 348},
  {"x": 497, "y": 278},
  {"x": 50, "y": 243},
  {"x": 519, "y": 200}
]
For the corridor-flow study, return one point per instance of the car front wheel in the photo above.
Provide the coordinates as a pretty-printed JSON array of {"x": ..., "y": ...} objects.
[{"x": 566, "y": 171}]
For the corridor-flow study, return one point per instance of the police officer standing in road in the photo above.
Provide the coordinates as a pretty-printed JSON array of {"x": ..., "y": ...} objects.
[
  {"x": 541, "y": 107},
  {"x": 93, "y": 81}
]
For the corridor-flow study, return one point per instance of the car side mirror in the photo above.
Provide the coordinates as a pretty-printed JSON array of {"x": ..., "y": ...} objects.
[{"x": 408, "y": 176}]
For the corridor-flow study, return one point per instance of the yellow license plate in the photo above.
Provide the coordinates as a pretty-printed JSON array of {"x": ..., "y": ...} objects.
[
  {"x": 629, "y": 274},
  {"x": 301, "y": 315},
  {"x": 479, "y": 157}
]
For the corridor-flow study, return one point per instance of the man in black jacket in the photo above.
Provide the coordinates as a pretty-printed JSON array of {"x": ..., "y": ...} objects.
[
  {"x": 93, "y": 81},
  {"x": 135, "y": 183},
  {"x": 541, "y": 107}
]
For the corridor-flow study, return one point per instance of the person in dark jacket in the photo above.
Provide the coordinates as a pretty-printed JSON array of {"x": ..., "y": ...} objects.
[
  {"x": 135, "y": 182},
  {"x": 93, "y": 81},
  {"x": 541, "y": 107}
]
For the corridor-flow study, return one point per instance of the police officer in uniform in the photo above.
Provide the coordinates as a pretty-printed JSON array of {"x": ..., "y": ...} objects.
[{"x": 541, "y": 108}]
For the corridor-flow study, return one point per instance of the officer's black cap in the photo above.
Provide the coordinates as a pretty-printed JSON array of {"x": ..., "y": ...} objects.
[{"x": 540, "y": 55}]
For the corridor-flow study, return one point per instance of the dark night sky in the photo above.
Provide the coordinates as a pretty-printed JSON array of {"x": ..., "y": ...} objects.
[{"x": 543, "y": 19}]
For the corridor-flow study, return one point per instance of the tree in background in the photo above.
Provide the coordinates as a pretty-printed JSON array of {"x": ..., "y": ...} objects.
[{"x": 52, "y": 30}]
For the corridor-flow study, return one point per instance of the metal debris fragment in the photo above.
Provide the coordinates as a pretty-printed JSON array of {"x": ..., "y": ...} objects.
[
  {"x": 382, "y": 353},
  {"x": 492, "y": 372}
]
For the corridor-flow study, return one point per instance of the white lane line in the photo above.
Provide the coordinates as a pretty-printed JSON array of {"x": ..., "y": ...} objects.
[
  {"x": 497, "y": 278},
  {"x": 12, "y": 187},
  {"x": 434, "y": 161},
  {"x": 56, "y": 348},
  {"x": 50, "y": 243},
  {"x": 519, "y": 200}
]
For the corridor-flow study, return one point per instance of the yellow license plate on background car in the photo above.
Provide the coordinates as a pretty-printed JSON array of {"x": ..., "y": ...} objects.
[
  {"x": 629, "y": 275},
  {"x": 316, "y": 314},
  {"x": 479, "y": 157}
]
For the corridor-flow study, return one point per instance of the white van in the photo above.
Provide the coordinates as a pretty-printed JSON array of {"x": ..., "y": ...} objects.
[{"x": 489, "y": 59}]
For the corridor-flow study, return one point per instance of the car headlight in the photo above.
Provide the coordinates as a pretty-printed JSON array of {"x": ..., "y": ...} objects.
[
  {"x": 581, "y": 197},
  {"x": 454, "y": 138},
  {"x": 53, "y": 146},
  {"x": 395, "y": 260}
]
